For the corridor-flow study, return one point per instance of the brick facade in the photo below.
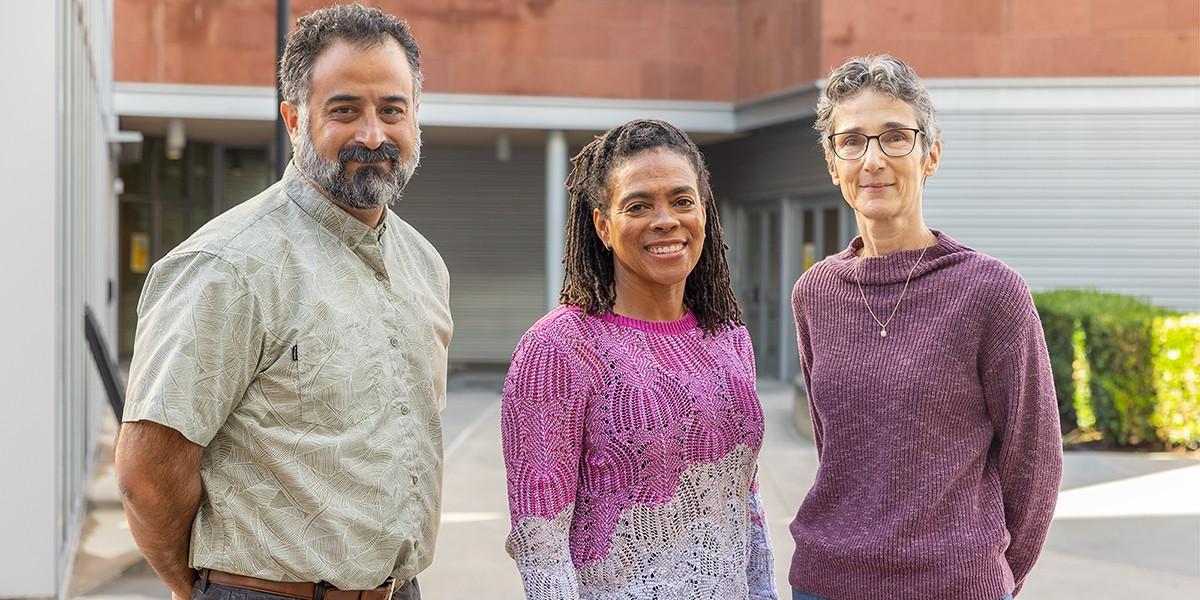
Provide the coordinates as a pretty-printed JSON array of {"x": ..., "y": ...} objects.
[
  {"x": 682, "y": 49},
  {"x": 1019, "y": 38}
]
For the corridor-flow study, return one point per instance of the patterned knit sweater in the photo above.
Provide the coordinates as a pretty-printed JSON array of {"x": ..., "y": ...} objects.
[
  {"x": 940, "y": 451},
  {"x": 631, "y": 449}
]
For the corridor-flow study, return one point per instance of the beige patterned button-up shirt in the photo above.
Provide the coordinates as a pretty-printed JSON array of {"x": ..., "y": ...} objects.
[{"x": 307, "y": 352}]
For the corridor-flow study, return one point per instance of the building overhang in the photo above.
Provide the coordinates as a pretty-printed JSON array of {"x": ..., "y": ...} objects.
[
  {"x": 242, "y": 103},
  {"x": 478, "y": 111},
  {"x": 1064, "y": 94}
]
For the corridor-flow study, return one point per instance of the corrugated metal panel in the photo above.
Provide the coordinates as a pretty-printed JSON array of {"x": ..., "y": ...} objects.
[
  {"x": 486, "y": 218},
  {"x": 1108, "y": 201},
  {"x": 768, "y": 164}
]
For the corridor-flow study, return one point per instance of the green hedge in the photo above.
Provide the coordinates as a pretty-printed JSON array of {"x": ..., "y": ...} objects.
[
  {"x": 1120, "y": 356},
  {"x": 1177, "y": 380},
  {"x": 1060, "y": 319},
  {"x": 1124, "y": 367}
]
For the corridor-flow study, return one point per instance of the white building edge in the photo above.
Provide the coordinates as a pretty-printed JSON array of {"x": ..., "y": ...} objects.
[{"x": 57, "y": 253}]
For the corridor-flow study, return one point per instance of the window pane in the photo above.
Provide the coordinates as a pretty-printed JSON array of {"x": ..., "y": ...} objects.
[
  {"x": 831, "y": 228},
  {"x": 245, "y": 173}
]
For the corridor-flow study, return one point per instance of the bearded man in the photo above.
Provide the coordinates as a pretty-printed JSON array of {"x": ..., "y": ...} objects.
[{"x": 282, "y": 433}]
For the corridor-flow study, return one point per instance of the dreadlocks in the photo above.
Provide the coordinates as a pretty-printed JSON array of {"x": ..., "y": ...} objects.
[{"x": 588, "y": 280}]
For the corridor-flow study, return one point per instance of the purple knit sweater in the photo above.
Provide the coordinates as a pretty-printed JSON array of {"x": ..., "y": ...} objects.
[
  {"x": 631, "y": 449},
  {"x": 940, "y": 451}
]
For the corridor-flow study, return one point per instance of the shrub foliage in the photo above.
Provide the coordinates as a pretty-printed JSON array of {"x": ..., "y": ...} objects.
[{"x": 1134, "y": 367}]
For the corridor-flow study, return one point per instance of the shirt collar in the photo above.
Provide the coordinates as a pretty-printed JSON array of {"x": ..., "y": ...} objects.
[{"x": 341, "y": 223}]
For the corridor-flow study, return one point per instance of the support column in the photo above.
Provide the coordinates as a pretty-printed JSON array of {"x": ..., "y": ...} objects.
[
  {"x": 556, "y": 213},
  {"x": 791, "y": 267},
  {"x": 283, "y": 144}
]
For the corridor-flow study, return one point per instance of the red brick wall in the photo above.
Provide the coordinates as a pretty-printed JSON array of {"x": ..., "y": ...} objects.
[
  {"x": 682, "y": 49},
  {"x": 229, "y": 42},
  {"x": 676, "y": 49},
  {"x": 1018, "y": 38},
  {"x": 779, "y": 45}
]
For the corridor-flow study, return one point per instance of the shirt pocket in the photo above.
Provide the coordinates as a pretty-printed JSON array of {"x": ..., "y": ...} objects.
[{"x": 337, "y": 381}]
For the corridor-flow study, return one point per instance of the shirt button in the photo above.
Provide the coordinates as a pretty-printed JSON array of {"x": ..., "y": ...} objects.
[
  {"x": 394, "y": 342},
  {"x": 380, "y": 276}
]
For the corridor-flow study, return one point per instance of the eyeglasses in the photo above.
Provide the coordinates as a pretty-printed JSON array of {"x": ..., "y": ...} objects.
[{"x": 895, "y": 143}]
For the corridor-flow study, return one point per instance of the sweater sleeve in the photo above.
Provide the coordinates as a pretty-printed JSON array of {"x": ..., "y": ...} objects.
[
  {"x": 760, "y": 569},
  {"x": 542, "y": 430},
  {"x": 1020, "y": 397}
]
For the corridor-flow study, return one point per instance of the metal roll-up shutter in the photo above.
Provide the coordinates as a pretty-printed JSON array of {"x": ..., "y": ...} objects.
[
  {"x": 1093, "y": 200},
  {"x": 486, "y": 218}
]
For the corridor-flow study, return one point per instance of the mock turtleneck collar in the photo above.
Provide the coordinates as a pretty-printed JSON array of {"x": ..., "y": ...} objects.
[{"x": 895, "y": 267}]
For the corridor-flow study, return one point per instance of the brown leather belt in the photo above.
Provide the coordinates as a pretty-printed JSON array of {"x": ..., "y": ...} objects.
[{"x": 301, "y": 590}]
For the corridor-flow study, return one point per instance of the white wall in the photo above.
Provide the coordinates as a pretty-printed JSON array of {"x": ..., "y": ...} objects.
[
  {"x": 29, "y": 365},
  {"x": 56, "y": 255},
  {"x": 1083, "y": 183}
]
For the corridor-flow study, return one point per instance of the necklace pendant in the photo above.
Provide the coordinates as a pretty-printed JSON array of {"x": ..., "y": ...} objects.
[{"x": 882, "y": 333}]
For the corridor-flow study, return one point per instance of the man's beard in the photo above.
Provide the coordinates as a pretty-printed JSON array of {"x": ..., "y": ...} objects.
[{"x": 369, "y": 186}]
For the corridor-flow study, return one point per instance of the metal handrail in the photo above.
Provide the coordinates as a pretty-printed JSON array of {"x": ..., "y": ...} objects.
[{"x": 113, "y": 386}]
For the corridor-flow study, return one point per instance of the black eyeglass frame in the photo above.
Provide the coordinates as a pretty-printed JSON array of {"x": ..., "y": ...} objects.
[{"x": 878, "y": 142}]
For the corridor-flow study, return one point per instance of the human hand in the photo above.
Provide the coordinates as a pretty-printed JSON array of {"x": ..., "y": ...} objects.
[
  {"x": 178, "y": 596},
  {"x": 183, "y": 590}
]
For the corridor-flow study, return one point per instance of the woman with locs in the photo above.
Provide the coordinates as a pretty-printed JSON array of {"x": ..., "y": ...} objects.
[
  {"x": 630, "y": 422},
  {"x": 927, "y": 375}
]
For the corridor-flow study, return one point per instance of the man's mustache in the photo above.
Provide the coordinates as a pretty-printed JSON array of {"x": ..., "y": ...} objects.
[{"x": 358, "y": 153}]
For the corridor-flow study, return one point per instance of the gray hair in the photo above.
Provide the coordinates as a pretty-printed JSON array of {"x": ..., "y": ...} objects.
[
  {"x": 885, "y": 74},
  {"x": 353, "y": 23}
]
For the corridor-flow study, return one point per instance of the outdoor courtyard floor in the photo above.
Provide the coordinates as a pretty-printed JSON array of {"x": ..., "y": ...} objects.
[{"x": 1127, "y": 525}]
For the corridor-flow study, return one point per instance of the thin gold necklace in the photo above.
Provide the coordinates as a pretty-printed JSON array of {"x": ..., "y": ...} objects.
[{"x": 883, "y": 325}]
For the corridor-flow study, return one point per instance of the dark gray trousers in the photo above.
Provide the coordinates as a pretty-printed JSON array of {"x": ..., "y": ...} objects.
[{"x": 214, "y": 591}]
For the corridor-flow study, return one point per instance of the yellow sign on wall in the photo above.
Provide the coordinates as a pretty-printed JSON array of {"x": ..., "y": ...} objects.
[
  {"x": 810, "y": 255},
  {"x": 139, "y": 252}
]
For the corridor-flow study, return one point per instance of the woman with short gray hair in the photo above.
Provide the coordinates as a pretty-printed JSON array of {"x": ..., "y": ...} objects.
[{"x": 928, "y": 381}]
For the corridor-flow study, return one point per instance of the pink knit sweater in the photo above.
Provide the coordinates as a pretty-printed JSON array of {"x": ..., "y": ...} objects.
[
  {"x": 631, "y": 449},
  {"x": 940, "y": 452}
]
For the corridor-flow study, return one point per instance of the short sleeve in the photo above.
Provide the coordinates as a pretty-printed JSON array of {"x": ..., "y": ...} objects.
[{"x": 197, "y": 348}]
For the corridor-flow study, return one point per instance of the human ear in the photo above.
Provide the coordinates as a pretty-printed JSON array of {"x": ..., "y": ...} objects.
[
  {"x": 935, "y": 157},
  {"x": 291, "y": 119},
  {"x": 833, "y": 174},
  {"x": 600, "y": 222}
]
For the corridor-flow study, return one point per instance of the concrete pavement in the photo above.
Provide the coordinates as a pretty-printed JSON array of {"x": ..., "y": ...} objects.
[{"x": 1128, "y": 524}]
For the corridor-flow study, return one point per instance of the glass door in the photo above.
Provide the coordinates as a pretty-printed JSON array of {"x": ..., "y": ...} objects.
[
  {"x": 762, "y": 252},
  {"x": 165, "y": 201},
  {"x": 777, "y": 241}
]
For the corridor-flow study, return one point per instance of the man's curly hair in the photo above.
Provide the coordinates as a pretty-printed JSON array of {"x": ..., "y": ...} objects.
[{"x": 353, "y": 23}]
